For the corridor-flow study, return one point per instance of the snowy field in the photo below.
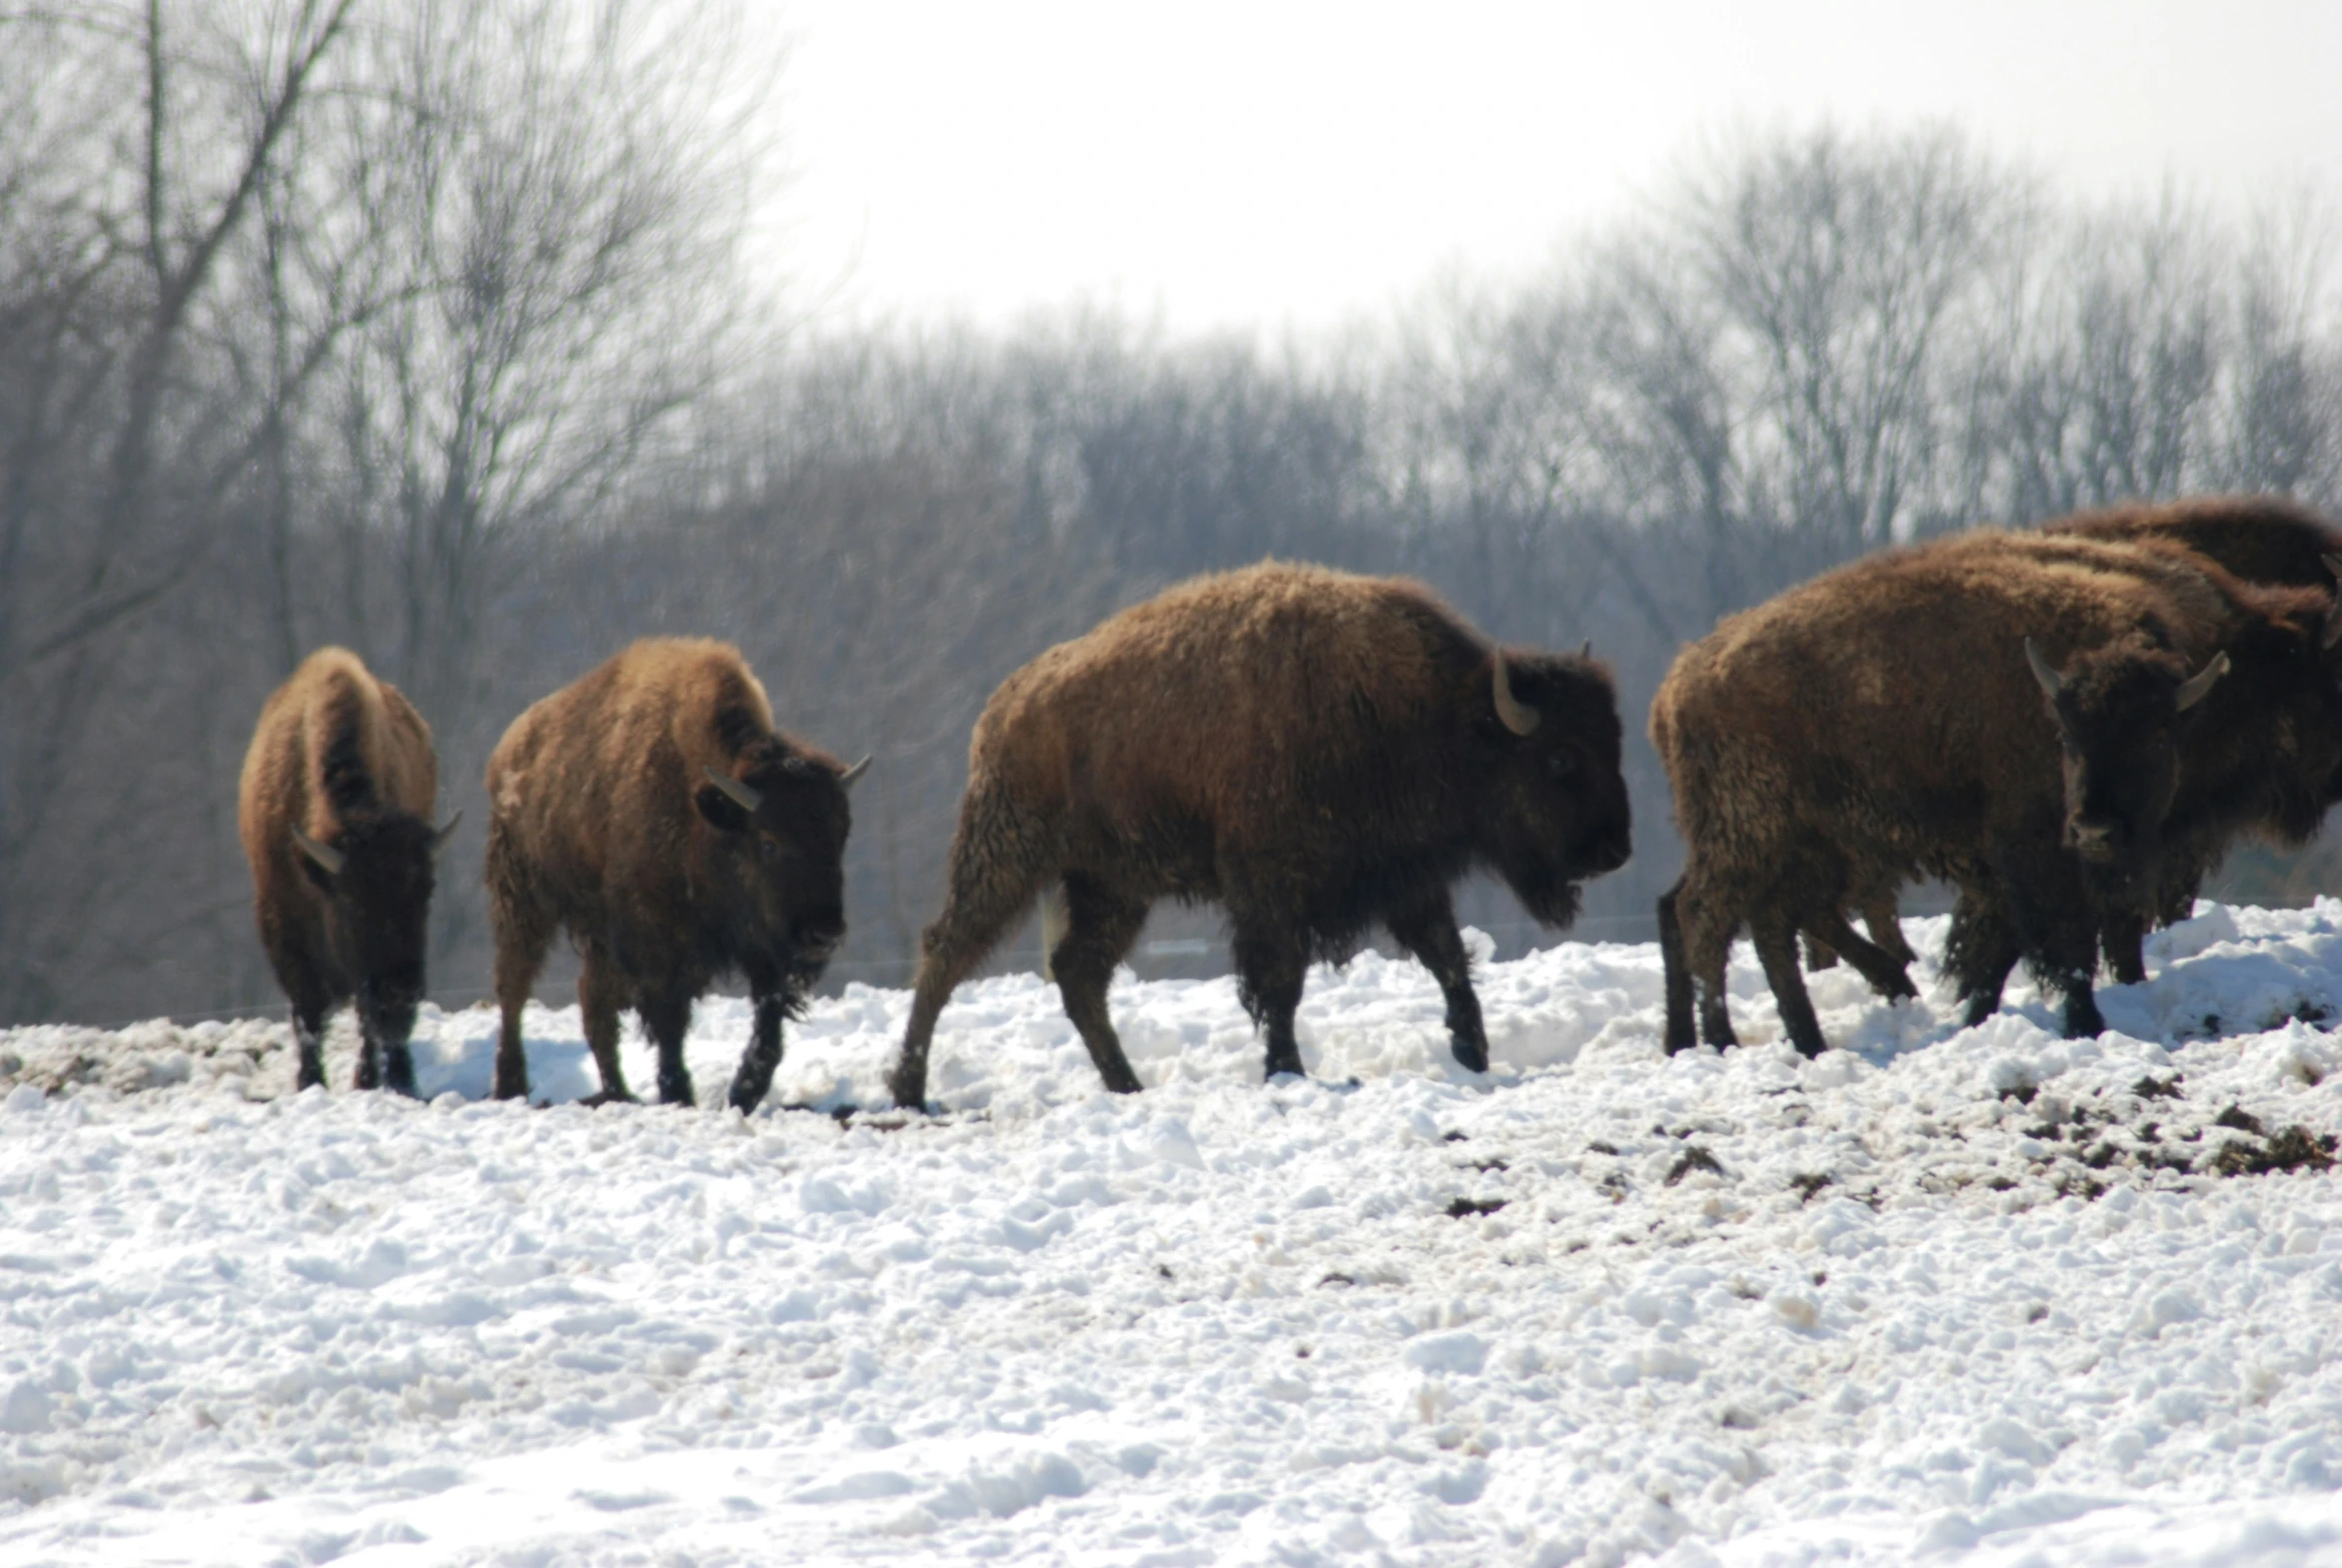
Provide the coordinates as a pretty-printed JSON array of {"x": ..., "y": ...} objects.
[{"x": 1968, "y": 1296}]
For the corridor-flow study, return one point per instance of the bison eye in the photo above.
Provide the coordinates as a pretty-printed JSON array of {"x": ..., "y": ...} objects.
[
  {"x": 767, "y": 848},
  {"x": 1562, "y": 766}
]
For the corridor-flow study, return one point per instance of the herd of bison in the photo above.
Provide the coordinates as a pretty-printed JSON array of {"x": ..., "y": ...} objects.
[{"x": 2068, "y": 725}]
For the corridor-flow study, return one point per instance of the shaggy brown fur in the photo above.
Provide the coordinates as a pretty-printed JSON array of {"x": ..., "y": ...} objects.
[
  {"x": 2260, "y": 538},
  {"x": 1314, "y": 751},
  {"x": 604, "y": 820},
  {"x": 1881, "y": 722},
  {"x": 342, "y": 758}
]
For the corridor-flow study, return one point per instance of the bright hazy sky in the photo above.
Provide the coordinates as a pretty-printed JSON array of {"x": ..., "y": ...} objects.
[{"x": 1270, "y": 164}]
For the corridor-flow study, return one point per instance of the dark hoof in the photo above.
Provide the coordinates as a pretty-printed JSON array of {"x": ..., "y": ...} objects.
[
  {"x": 907, "y": 1090},
  {"x": 608, "y": 1098},
  {"x": 1471, "y": 1057}
]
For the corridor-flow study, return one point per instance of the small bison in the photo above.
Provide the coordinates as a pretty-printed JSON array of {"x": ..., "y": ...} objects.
[
  {"x": 652, "y": 810},
  {"x": 1886, "y": 720},
  {"x": 1312, "y": 750},
  {"x": 334, "y": 809}
]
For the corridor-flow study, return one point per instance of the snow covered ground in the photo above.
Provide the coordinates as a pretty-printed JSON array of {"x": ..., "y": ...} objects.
[{"x": 1979, "y": 1296}]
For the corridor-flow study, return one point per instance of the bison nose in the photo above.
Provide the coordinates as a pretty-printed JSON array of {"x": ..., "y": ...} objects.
[
  {"x": 2092, "y": 841},
  {"x": 1609, "y": 854},
  {"x": 818, "y": 937}
]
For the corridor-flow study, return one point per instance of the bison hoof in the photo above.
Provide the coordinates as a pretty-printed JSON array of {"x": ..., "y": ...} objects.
[{"x": 1472, "y": 1056}]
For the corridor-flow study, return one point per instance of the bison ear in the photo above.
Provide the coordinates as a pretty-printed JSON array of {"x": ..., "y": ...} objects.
[{"x": 722, "y": 812}]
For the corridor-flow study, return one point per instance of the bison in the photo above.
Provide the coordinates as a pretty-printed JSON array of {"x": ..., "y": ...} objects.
[
  {"x": 651, "y": 809},
  {"x": 334, "y": 808},
  {"x": 1885, "y": 721},
  {"x": 2260, "y": 538},
  {"x": 1312, "y": 750}
]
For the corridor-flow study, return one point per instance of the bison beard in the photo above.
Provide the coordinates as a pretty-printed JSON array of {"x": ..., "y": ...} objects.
[{"x": 1314, "y": 751}]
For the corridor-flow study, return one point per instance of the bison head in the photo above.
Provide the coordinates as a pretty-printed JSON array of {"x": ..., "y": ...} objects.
[
  {"x": 780, "y": 841},
  {"x": 375, "y": 872},
  {"x": 1557, "y": 803},
  {"x": 2122, "y": 713}
]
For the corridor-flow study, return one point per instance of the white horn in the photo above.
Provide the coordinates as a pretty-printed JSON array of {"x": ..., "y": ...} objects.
[
  {"x": 847, "y": 778},
  {"x": 439, "y": 839},
  {"x": 2052, "y": 682},
  {"x": 325, "y": 855},
  {"x": 2191, "y": 691},
  {"x": 1518, "y": 717},
  {"x": 741, "y": 795}
]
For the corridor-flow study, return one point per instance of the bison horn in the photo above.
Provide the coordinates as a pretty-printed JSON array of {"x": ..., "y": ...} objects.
[
  {"x": 1586, "y": 649},
  {"x": 2052, "y": 682},
  {"x": 847, "y": 778},
  {"x": 439, "y": 839},
  {"x": 1518, "y": 717},
  {"x": 325, "y": 855},
  {"x": 740, "y": 794},
  {"x": 2191, "y": 690}
]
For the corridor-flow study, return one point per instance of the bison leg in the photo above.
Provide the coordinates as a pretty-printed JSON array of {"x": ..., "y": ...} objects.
[
  {"x": 2122, "y": 937},
  {"x": 308, "y": 1037},
  {"x": 1702, "y": 924},
  {"x": 1429, "y": 931},
  {"x": 601, "y": 993},
  {"x": 1270, "y": 967},
  {"x": 1682, "y": 1034},
  {"x": 1820, "y": 955},
  {"x": 1884, "y": 920},
  {"x": 1978, "y": 954},
  {"x": 1099, "y": 928},
  {"x": 994, "y": 876},
  {"x": 522, "y": 934},
  {"x": 1775, "y": 935},
  {"x": 757, "y": 1064},
  {"x": 666, "y": 1017},
  {"x": 1887, "y": 977}
]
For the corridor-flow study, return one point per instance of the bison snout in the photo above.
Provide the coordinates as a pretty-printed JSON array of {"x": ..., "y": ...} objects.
[
  {"x": 2092, "y": 841},
  {"x": 1606, "y": 854},
  {"x": 818, "y": 939}
]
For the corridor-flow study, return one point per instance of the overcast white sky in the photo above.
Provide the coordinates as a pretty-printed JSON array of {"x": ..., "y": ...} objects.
[{"x": 1270, "y": 164}]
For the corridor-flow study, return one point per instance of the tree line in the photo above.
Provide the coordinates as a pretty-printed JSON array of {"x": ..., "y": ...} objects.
[{"x": 443, "y": 332}]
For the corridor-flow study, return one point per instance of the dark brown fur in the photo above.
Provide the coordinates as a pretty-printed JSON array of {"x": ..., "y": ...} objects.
[
  {"x": 1881, "y": 722},
  {"x": 1315, "y": 751},
  {"x": 346, "y": 759},
  {"x": 603, "y": 821},
  {"x": 2260, "y": 538}
]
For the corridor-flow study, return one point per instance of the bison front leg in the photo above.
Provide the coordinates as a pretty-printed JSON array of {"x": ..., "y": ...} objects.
[
  {"x": 757, "y": 1064},
  {"x": 666, "y": 1017},
  {"x": 1429, "y": 931},
  {"x": 1775, "y": 935},
  {"x": 1099, "y": 928},
  {"x": 1269, "y": 971},
  {"x": 309, "y": 1046}
]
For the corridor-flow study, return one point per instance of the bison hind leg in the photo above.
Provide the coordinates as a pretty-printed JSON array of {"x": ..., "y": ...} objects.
[
  {"x": 996, "y": 867},
  {"x": 1099, "y": 928},
  {"x": 1696, "y": 925}
]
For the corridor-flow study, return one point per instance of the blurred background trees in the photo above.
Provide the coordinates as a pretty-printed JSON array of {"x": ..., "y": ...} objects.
[{"x": 437, "y": 331}]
